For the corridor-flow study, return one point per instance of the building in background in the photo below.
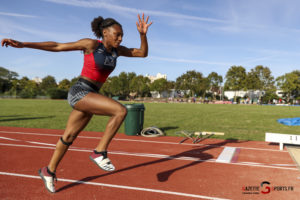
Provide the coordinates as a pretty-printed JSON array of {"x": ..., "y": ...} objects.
[
  {"x": 38, "y": 80},
  {"x": 158, "y": 76}
]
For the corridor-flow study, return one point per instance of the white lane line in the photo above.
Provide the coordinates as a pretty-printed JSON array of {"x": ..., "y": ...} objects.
[
  {"x": 145, "y": 141},
  {"x": 157, "y": 156},
  {"x": 119, "y": 187},
  {"x": 284, "y": 164},
  {"x": 47, "y": 144},
  {"x": 226, "y": 155},
  {"x": 32, "y": 142},
  {"x": 5, "y": 138}
]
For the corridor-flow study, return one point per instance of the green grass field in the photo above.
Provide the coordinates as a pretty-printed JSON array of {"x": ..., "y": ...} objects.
[{"x": 245, "y": 122}]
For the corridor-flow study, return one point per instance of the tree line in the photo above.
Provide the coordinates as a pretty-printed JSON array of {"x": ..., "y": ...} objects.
[{"x": 193, "y": 84}]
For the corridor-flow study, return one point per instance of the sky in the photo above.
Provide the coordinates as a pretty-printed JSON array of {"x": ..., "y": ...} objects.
[{"x": 202, "y": 35}]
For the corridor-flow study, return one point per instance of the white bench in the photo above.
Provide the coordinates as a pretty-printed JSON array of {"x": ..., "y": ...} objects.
[{"x": 282, "y": 139}]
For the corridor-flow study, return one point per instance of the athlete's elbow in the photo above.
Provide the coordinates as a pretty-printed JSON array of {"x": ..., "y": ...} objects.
[{"x": 144, "y": 54}]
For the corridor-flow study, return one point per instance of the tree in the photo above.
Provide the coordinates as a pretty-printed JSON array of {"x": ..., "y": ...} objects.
[
  {"x": 140, "y": 85},
  {"x": 115, "y": 86},
  {"x": 252, "y": 81},
  {"x": 65, "y": 84},
  {"x": 5, "y": 85},
  {"x": 105, "y": 89},
  {"x": 74, "y": 80},
  {"x": 268, "y": 97},
  {"x": 48, "y": 82},
  {"x": 24, "y": 88},
  {"x": 235, "y": 79},
  {"x": 23, "y": 82},
  {"x": 193, "y": 81},
  {"x": 215, "y": 82},
  {"x": 15, "y": 88},
  {"x": 56, "y": 93},
  {"x": 290, "y": 84},
  {"x": 171, "y": 85},
  {"x": 260, "y": 78},
  {"x": 296, "y": 92},
  {"x": 125, "y": 79},
  {"x": 6, "y": 76},
  {"x": 159, "y": 85},
  {"x": 30, "y": 89}
]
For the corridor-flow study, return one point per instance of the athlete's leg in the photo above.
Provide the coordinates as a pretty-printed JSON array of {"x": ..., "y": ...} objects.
[
  {"x": 100, "y": 105},
  {"x": 76, "y": 122}
]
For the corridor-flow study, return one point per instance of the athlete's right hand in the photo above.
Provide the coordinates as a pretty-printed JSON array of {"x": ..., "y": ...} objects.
[{"x": 13, "y": 43}]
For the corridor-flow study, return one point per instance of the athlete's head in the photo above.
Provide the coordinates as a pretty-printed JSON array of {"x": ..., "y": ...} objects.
[{"x": 109, "y": 29}]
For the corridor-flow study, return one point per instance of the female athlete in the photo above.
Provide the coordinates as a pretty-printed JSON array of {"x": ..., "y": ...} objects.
[{"x": 100, "y": 58}]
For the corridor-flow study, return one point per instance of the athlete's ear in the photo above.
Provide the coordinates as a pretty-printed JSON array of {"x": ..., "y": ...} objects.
[{"x": 104, "y": 32}]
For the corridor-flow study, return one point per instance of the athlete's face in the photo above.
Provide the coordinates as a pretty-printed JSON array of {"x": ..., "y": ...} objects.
[{"x": 113, "y": 35}]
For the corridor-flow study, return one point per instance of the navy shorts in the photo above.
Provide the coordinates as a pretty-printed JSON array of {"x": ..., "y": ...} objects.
[{"x": 79, "y": 90}]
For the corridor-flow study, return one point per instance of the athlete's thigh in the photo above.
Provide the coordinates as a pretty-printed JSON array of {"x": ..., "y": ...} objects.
[
  {"x": 77, "y": 121},
  {"x": 98, "y": 104}
]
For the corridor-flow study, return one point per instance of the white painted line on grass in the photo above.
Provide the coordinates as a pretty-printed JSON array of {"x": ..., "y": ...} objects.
[
  {"x": 119, "y": 187},
  {"x": 156, "y": 156},
  {"x": 145, "y": 141}
]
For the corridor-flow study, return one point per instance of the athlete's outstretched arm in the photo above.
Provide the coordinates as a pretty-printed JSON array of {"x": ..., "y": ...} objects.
[
  {"x": 84, "y": 44},
  {"x": 142, "y": 26}
]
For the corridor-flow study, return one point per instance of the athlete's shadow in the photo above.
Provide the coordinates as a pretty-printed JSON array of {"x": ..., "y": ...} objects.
[
  {"x": 19, "y": 117},
  {"x": 197, "y": 155}
]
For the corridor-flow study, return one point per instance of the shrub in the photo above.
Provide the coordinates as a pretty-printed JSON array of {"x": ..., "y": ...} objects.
[
  {"x": 56, "y": 93},
  {"x": 28, "y": 93}
]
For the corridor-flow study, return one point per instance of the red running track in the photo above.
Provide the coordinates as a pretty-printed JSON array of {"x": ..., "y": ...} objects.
[{"x": 147, "y": 168}]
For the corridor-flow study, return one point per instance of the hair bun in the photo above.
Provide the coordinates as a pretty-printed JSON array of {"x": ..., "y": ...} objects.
[{"x": 96, "y": 26}]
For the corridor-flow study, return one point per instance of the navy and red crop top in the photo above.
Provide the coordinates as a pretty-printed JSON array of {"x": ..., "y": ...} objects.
[{"x": 99, "y": 64}]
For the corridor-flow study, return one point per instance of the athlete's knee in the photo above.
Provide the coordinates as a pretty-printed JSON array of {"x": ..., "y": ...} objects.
[
  {"x": 121, "y": 112},
  {"x": 68, "y": 139},
  {"x": 66, "y": 142}
]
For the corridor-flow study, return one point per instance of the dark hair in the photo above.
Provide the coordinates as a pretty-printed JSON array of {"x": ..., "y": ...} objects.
[{"x": 98, "y": 24}]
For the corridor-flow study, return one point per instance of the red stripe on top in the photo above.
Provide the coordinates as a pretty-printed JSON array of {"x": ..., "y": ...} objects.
[{"x": 91, "y": 70}]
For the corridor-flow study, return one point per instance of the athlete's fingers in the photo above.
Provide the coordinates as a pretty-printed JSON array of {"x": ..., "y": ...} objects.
[
  {"x": 140, "y": 21},
  {"x": 3, "y": 42}
]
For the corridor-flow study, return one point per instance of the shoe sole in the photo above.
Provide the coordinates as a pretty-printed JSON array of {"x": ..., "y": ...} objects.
[
  {"x": 45, "y": 182},
  {"x": 99, "y": 166}
]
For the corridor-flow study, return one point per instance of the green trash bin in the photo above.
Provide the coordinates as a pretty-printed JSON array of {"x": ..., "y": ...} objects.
[
  {"x": 134, "y": 120},
  {"x": 116, "y": 98}
]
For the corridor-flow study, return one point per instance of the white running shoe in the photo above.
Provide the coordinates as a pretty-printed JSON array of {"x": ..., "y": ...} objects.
[
  {"x": 102, "y": 161},
  {"x": 48, "y": 179}
]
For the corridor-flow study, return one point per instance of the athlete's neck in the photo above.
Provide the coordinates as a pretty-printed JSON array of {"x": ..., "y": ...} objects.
[{"x": 108, "y": 47}]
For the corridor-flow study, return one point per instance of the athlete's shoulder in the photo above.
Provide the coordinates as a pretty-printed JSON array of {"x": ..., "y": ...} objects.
[
  {"x": 88, "y": 41},
  {"x": 89, "y": 44}
]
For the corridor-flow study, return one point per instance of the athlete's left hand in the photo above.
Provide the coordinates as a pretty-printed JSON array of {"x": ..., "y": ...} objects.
[{"x": 143, "y": 25}]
